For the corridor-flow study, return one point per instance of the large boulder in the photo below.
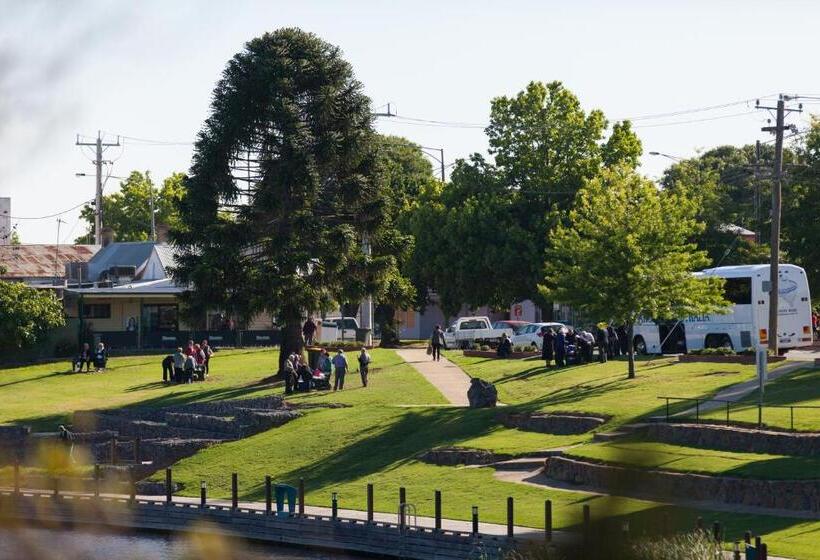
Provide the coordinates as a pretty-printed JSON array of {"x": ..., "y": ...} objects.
[{"x": 482, "y": 394}]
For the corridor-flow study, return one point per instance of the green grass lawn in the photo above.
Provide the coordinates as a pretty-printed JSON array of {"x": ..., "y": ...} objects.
[
  {"x": 801, "y": 388},
  {"x": 643, "y": 454}
]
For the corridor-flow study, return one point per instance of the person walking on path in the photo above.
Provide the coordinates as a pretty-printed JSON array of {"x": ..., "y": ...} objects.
[
  {"x": 364, "y": 366},
  {"x": 547, "y": 345},
  {"x": 437, "y": 342},
  {"x": 309, "y": 331},
  {"x": 340, "y": 364}
]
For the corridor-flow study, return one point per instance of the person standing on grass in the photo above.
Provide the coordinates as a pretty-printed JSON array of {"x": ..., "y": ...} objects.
[
  {"x": 437, "y": 342},
  {"x": 309, "y": 331},
  {"x": 179, "y": 365},
  {"x": 603, "y": 343},
  {"x": 364, "y": 365},
  {"x": 561, "y": 348},
  {"x": 340, "y": 364},
  {"x": 208, "y": 352},
  {"x": 168, "y": 368},
  {"x": 547, "y": 345},
  {"x": 189, "y": 350}
]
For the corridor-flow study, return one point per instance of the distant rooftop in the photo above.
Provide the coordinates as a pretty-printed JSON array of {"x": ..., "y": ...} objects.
[{"x": 42, "y": 261}]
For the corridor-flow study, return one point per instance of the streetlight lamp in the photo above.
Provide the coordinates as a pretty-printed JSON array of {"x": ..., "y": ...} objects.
[{"x": 673, "y": 158}]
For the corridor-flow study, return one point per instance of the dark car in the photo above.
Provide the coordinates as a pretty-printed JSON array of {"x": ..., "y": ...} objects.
[{"x": 516, "y": 326}]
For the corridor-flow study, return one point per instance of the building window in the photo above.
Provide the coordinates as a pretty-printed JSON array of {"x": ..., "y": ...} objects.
[
  {"x": 159, "y": 318},
  {"x": 96, "y": 310}
]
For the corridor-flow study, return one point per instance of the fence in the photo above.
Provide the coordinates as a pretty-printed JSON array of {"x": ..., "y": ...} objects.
[{"x": 703, "y": 411}]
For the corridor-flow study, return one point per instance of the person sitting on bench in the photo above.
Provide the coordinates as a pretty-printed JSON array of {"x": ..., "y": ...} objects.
[
  {"x": 84, "y": 357},
  {"x": 100, "y": 357}
]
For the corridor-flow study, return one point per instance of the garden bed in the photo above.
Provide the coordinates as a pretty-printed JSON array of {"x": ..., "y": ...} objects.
[
  {"x": 722, "y": 359},
  {"x": 494, "y": 354}
]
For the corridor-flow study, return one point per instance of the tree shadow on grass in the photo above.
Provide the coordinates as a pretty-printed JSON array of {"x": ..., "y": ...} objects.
[{"x": 38, "y": 378}]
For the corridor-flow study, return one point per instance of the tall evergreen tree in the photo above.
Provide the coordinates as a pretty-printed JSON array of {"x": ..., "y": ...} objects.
[{"x": 284, "y": 185}]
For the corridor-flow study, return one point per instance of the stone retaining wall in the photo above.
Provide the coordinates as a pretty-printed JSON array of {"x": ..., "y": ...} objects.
[
  {"x": 734, "y": 438},
  {"x": 449, "y": 456},
  {"x": 558, "y": 423},
  {"x": 798, "y": 495}
]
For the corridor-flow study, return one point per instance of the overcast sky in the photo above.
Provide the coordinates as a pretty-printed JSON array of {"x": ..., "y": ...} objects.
[{"x": 146, "y": 70}]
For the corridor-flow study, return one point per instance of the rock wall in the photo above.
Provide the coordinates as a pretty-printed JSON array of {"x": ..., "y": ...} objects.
[
  {"x": 557, "y": 423},
  {"x": 448, "y": 456},
  {"x": 734, "y": 438},
  {"x": 799, "y": 495}
]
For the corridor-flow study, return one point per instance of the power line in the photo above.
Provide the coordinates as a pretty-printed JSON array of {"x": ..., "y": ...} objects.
[
  {"x": 695, "y": 110},
  {"x": 52, "y": 215},
  {"x": 691, "y": 121}
]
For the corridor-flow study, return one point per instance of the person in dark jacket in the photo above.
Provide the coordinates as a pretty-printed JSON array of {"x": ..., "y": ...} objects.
[
  {"x": 548, "y": 345},
  {"x": 84, "y": 357},
  {"x": 623, "y": 339},
  {"x": 168, "y": 368},
  {"x": 504, "y": 347},
  {"x": 437, "y": 342},
  {"x": 603, "y": 343},
  {"x": 560, "y": 348},
  {"x": 614, "y": 347}
]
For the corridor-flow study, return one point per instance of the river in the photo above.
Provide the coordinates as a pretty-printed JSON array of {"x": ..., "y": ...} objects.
[{"x": 81, "y": 544}]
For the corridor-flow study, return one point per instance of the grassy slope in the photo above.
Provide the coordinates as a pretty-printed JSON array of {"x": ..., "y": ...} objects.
[{"x": 688, "y": 459}]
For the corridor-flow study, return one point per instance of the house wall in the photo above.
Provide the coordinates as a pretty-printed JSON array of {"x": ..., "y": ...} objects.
[{"x": 121, "y": 310}]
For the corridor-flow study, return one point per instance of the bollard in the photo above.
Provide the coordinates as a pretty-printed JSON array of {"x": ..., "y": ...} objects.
[
  {"x": 97, "y": 476},
  {"x": 302, "y": 496},
  {"x": 438, "y": 509},
  {"x": 268, "y": 496},
  {"x": 510, "y": 525},
  {"x": 113, "y": 450},
  {"x": 234, "y": 491},
  {"x": 203, "y": 492},
  {"x": 402, "y": 502},
  {"x": 370, "y": 503},
  {"x": 548, "y": 520},
  {"x": 587, "y": 523},
  {"x": 475, "y": 521},
  {"x": 169, "y": 487},
  {"x": 137, "y": 451},
  {"x": 334, "y": 497},
  {"x": 764, "y": 551},
  {"x": 758, "y": 542},
  {"x": 17, "y": 476}
]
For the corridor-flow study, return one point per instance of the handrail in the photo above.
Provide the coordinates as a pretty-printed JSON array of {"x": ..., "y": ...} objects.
[{"x": 698, "y": 401}]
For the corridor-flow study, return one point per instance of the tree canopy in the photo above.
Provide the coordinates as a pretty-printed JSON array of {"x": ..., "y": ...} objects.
[
  {"x": 625, "y": 252},
  {"x": 128, "y": 211},
  {"x": 285, "y": 185},
  {"x": 26, "y": 314}
]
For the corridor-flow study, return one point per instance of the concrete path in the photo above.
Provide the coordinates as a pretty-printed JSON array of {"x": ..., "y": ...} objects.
[{"x": 444, "y": 375}]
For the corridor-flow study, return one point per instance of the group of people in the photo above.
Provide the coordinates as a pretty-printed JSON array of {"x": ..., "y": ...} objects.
[
  {"x": 186, "y": 365},
  {"x": 300, "y": 377},
  {"x": 86, "y": 357},
  {"x": 569, "y": 346}
]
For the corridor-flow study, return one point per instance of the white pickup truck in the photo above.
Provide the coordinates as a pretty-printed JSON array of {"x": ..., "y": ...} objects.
[{"x": 475, "y": 330}]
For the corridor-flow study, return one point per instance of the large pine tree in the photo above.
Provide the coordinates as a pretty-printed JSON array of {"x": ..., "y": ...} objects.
[{"x": 284, "y": 184}]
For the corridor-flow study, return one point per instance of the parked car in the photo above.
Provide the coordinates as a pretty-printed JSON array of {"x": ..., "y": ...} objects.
[
  {"x": 533, "y": 334},
  {"x": 473, "y": 330},
  {"x": 516, "y": 326}
]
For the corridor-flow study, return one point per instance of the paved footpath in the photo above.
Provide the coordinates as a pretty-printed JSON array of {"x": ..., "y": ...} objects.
[{"x": 444, "y": 375}]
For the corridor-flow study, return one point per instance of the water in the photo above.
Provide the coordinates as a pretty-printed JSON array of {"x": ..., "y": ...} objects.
[{"x": 30, "y": 543}]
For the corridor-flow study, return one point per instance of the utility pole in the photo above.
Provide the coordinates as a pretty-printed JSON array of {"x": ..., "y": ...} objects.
[
  {"x": 153, "y": 220},
  {"x": 442, "y": 165},
  {"x": 367, "y": 304},
  {"x": 774, "y": 272},
  {"x": 98, "y": 162},
  {"x": 57, "y": 251},
  {"x": 758, "y": 225}
]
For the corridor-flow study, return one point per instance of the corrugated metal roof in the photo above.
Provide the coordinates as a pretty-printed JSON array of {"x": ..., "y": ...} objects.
[
  {"x": 166, "y": 254},
  {"x": 42, "y": 261},
  {"x": 132, "y": 253},
  {"x": 166, "y": 286}
]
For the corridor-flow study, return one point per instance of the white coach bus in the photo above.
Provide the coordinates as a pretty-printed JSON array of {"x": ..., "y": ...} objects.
[{"x": 746, "y": 323}]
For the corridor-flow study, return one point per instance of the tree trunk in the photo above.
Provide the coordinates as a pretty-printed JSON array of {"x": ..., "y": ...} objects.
[
  {"x": 292, "y": 341},
  {"x": 630, "y": 350},
  {"x": 386, "y": 317}
]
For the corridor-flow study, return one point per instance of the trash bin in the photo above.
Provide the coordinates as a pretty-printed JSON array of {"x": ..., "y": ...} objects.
[{"x": 361, "y": 335}]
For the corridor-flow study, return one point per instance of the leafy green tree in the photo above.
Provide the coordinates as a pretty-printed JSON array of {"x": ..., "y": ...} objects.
[
  {"x": 128, "y": 211},
  {"x": 625, "y": 253},
  {"x": 26, "y": 314},
  {"x": 285, "y": 184}
]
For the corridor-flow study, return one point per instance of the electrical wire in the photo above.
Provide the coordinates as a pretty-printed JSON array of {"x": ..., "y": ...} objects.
[
  {"x": 691, "y": 121},
  {"x": 52, "y": 215}
]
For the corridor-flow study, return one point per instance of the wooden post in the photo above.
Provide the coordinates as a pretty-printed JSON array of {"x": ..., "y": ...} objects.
[
  {"x": 758, "y": 542},
  {"x": 301, "y": 496},
  {"x": 438, "y": 510},
  {"x": 97, "y": 476},
  {"x": 475, "y": 521},
  {"x": 548, "y": 520},
  {"x": 268, "y": 496},
  {"x": 113, "y": 450},
  {"x": 763, "y": 551},
  {"x": 234, "y": 491},
  {"x": 203, "y": 494},
  {"x": 17, "y": 476},
  {"x": 510, "y": 524},
  {"x": 370, "y": 503},
  {"x": 169, "y": 487},
  {"x": 334, "y": 505},
  {"x": 402, "y": 502}
]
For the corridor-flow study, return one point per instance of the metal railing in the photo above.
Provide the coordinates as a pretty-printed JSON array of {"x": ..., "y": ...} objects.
[{"x": 729, "y": 405}]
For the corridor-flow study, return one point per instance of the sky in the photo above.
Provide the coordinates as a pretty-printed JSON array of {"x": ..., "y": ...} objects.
[{"x": 145, "y": 71}]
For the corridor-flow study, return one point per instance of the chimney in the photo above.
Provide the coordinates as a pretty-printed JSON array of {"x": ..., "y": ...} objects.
[
  {"x": 108, "y": 236},
  {"x": 162, "y": 233}
]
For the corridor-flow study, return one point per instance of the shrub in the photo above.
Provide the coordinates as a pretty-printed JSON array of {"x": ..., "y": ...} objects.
[
  {"x": 485, "y": 348},
  {"x": 721, "y": 351},
  {"x": 690, "y": 546}
]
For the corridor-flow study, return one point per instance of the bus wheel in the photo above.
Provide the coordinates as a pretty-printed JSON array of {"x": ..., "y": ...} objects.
[
  {"x": 717, "y": 341},
  {"x": 640, "y": 345}
]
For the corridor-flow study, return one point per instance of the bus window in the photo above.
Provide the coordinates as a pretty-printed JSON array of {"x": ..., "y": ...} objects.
[{"x": 738, "y": 291}]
